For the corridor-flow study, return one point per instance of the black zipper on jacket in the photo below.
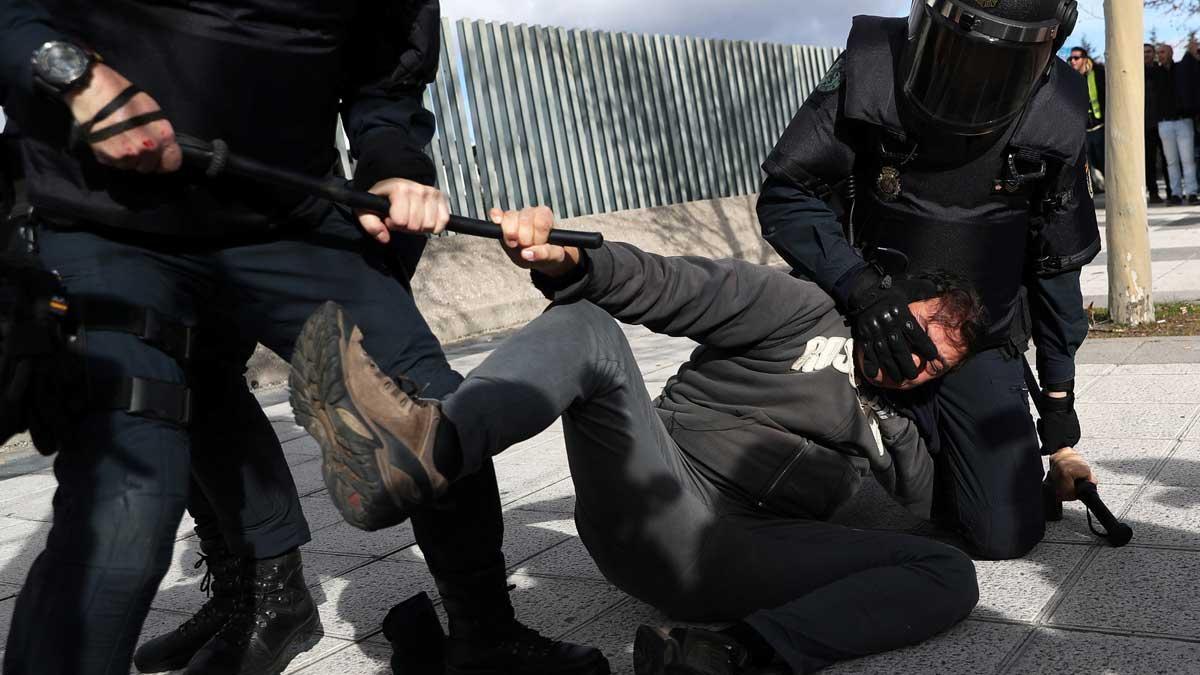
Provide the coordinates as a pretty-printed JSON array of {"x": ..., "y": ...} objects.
[{"x": 781, "y": 474}]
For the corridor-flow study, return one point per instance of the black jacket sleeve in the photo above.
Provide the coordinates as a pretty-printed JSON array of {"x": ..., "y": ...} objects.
[
  {"x": 392, "y": 53},
  {"x": 799, "y": 203},
  {"x": 24, "y": 26},
  {"x": 1060, "y": 322}
]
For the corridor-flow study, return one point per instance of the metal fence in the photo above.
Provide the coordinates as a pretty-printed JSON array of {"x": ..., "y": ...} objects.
[{"x": 590, "y": 122}]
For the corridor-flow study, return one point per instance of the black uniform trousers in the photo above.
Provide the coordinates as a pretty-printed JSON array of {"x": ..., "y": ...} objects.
[
  {"x": 124, "y": 484},
  {"x": 987, "y": 456}
]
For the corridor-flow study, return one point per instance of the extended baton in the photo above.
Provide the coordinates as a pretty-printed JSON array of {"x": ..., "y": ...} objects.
[
  {"x": 216, "y": 159},
  {"x": 1117, "y": 533}
]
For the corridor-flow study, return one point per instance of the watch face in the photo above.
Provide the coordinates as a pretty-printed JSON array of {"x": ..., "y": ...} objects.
[{"x": 61, "y": 63}]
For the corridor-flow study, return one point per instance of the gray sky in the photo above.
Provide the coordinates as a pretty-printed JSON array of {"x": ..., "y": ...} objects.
[
  {"x": 823, "y": 22},
  {"x": 815, "y": 22}
]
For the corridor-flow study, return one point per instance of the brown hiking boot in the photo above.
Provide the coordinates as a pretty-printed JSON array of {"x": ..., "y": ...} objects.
[{"x": 376, "y": 439}]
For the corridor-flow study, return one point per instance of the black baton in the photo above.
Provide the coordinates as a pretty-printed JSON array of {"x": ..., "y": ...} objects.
[
  {"x": 215, "y": 159},
  {"x": 1117, "y": 533}
]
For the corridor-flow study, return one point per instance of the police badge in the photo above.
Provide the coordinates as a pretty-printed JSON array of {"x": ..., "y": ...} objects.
[{"x": 888, "y": 183}]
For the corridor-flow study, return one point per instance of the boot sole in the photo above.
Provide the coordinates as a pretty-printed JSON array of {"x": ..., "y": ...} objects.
[{"x": 350, "y": 462}]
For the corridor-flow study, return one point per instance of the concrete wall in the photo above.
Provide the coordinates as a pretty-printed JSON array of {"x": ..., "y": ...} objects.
[{"x": 467, "y": 287}]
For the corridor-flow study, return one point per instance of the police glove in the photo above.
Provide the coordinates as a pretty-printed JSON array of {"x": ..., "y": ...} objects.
[
  {"x": 884, "y": 328},
  {"x": 1058, "y": 425}
]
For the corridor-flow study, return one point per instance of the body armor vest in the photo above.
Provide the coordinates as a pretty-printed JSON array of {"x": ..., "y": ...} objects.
[{"x": 980, "y": 208}]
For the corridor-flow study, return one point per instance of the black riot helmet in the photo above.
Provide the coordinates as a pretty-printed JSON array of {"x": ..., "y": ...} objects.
[{"x": 970, "y": 66}]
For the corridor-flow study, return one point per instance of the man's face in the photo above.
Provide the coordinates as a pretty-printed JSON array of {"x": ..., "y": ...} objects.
[
  {"x": 1148, "y": 55},
  {"x": 1166, "y": 55},
  {"x": 1078, "y": 60},
  {"x": 950, "y": 354}
]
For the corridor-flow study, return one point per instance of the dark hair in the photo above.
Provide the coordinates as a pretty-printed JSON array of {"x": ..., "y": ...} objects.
[
  {"x": 1081, "y": 50},
  {"x": 1147, "y": 44},
  {"x": 960, "y": 309}
]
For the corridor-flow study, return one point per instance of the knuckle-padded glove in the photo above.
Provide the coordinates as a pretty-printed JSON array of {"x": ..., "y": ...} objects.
[
  {"x": 1058, "y": 425},
  {"x": 884, "y": 328}
]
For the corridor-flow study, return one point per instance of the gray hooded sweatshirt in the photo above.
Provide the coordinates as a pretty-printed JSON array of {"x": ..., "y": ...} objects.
[{"x": 767, "y": 406}]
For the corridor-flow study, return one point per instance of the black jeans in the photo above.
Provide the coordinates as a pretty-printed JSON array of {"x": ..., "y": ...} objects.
[
  {"x": 123, "y": 488},
  {"x": 1095, "y": 148},
  {"x": 663, "y": 532}
]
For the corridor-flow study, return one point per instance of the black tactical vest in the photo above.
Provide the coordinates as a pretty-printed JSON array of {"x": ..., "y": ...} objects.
[{"x": 979, "y": 211}]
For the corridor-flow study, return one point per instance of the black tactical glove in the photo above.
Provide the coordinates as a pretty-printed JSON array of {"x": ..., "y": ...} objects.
[
  {"x": 884, "y": 328},
  {"x": 1058, "y": 426}
]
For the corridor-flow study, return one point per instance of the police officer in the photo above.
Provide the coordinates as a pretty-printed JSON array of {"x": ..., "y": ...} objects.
[
  {"x": 954, "y": 140},
  {"x": 174, "y": 280}
]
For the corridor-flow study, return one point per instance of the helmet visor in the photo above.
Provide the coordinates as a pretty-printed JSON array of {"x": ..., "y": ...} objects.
[{"x": 965, "y": 81}]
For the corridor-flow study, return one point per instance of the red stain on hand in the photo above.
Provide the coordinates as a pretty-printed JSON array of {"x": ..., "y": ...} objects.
[{"x": 148, "y": 144}]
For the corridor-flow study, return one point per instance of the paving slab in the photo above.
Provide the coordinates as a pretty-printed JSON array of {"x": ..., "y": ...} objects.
[
  {"x": 1134, "y": 420},
  {"x": 343, "y": 537},
  {"x": 1017, "y": 590},
  {"x": 1061, "y": 652},
  {"x": 1124, "y": 462},
  {"x": 1142, "y": 389},
  {"x": 1136, "y": 589},
  {"x": 613, "y": 632},
  {"x": 353, "y": 605},
  {"x": 1167, "y": 516},
  {"x": 970, "y": 647},
  {"x": 558, "y": 497},
  {"x": 567, "y": 559},
  {"x": 1107, "y": 351},
  {"x": 1166, "y": 350},
  {"x": 19, "y": 546},
  {"x": 1182, "y": 470},
  {"x": 366, "y": 658}
]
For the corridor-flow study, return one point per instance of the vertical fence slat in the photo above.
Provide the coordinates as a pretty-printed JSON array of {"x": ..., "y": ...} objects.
[{"x": 590, "y": 122}]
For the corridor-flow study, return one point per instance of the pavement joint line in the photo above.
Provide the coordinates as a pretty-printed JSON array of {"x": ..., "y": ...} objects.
[
  {"x": 1078, "y": 628},
  {"x": 305, "y": 664},
  {"x": 625, "y": 601},
  {"x": 512, "y": 567},
  {"x": 1017, "y": 650}
]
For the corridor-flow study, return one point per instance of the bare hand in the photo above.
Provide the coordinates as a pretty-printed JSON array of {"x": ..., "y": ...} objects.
[
  {"x": 526, "y": 237},
  {"x": 149, "y": 148},
  {"x": 415, "y": 208},
  {"x": 1067, "y": 466}
]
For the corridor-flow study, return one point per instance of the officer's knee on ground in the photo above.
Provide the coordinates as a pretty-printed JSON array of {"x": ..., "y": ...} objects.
[
  {"x": 958, "y": 574},
  {"x": 1006, "y": 541}
]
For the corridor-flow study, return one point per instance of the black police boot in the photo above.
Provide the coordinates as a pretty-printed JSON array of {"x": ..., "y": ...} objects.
[
  {"x": 509, "y": 648},
  {"x": 274, "y": 611},
  {"x": 173, "y": 650}
]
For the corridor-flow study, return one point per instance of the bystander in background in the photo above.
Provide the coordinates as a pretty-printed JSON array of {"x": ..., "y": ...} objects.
[
  {"x": 1093, "y": 73},
  {"x": 1175, "y": 92}
]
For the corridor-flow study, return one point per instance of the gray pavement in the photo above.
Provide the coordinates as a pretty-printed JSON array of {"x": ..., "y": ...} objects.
[
  {"x": 1071, "y": 606},
  {"x": 1174, "y": 256}
]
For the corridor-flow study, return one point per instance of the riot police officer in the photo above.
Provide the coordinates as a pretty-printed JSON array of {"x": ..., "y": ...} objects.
[
  {"x": 173, "y": 280},
  {"x": 954, "y": 140}
]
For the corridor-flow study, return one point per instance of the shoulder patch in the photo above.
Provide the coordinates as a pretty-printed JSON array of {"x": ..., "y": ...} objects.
[{"x": 833, "y": 77}]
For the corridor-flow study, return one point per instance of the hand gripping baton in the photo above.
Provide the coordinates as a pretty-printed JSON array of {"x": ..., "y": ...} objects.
[
  {"x": 1115, "y": 532},
  {"x": 216, "y": 159}
]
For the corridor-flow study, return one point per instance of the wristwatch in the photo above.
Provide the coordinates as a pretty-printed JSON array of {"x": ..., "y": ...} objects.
[{"x": 62, "y": 67}]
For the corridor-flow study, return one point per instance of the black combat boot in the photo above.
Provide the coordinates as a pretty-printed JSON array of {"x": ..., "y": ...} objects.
[
  {"x": 486, "y": 639},
  {"x": 173, "y": 650},
  {"x": 274, "y": 611}
]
